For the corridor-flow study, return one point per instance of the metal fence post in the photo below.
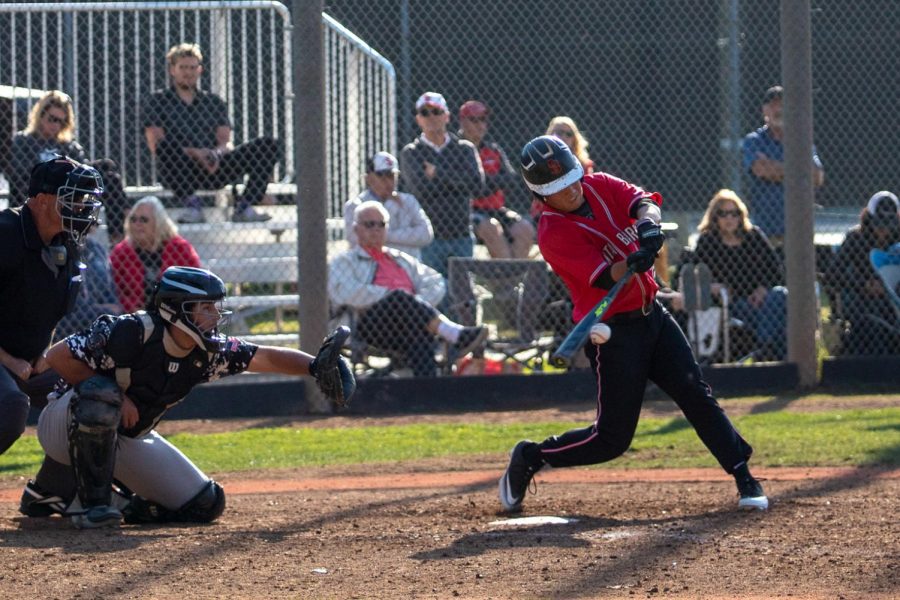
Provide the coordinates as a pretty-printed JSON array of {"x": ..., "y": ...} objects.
[
  {"x": 312, "y": 189},
  {"x": 800, "y": 261}
]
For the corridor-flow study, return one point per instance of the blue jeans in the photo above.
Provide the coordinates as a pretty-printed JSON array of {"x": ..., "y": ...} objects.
[
  {"x": 768, "y": 322},
  {"x": 437, "y": 253}
]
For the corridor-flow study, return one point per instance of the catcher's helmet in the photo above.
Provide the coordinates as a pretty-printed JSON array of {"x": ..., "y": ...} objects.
[
  {"x": 176, "y": 294},
  {"x": 548, "y": 165},
  {"x": 77, "y": 188}
]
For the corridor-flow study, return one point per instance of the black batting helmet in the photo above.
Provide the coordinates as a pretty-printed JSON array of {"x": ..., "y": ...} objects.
[
  {"x": 549, "y": 166},
  {"x": 179, "y": 290}
]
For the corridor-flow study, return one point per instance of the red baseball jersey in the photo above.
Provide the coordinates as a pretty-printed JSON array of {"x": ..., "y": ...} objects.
[
  {"x": 491, "y": 162},
  {"x": 579, "y": 249}
]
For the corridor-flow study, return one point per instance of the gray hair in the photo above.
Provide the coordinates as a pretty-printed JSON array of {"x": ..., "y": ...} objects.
[
  {"x": 363, "y": 206},
  {"x": 164, "y": 228}
]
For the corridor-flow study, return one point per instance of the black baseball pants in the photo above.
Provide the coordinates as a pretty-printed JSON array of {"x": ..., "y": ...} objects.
[{"x": 644, "y": 348}]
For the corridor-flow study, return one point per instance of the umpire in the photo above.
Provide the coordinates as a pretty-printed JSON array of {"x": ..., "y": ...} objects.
[
  {"x": 40, "y": 273},
  {"x": 593, "y": 230}
]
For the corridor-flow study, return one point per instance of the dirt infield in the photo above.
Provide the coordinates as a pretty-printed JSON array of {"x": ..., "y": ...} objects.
[{"x": 432, "y": 529}]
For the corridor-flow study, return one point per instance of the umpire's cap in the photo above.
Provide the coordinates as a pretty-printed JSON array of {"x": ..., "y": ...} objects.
[
  {"x": 549, "y": 166},
  {"x": 60, "y": 171}
]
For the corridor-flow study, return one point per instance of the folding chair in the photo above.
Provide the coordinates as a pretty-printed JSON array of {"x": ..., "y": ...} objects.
[{"x": 519, "y": 289}]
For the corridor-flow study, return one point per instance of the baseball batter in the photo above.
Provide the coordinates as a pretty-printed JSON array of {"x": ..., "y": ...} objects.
[
  {"x": 122, "y": 375},
  {"x": 593, "y": 228}
]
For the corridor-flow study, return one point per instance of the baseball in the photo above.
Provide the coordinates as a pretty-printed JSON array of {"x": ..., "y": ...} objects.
[{"x": 600, "y": 333}]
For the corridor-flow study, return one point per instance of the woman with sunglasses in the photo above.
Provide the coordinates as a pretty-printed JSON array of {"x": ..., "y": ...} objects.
[
  {"x": 50, "y": 131},
  {"x": 742, "y": 260},
  {"x": 151, "y": 246}
]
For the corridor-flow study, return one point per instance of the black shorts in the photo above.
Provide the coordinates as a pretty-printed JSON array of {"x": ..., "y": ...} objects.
[{"x": 505, "y": 216}]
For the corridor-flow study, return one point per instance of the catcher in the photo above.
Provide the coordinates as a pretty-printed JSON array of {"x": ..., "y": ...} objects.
[{"x": 121, "y": 376}]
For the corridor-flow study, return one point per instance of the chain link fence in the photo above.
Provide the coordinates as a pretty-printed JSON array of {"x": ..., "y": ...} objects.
[{"x": 661, "y": 94}]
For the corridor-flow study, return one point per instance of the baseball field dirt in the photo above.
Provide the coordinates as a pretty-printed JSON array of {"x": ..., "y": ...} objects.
[{"x": 432, "y": 529}]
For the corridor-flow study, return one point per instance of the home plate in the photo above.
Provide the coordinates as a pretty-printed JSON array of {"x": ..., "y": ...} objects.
[{"x": 531, "y": 521}]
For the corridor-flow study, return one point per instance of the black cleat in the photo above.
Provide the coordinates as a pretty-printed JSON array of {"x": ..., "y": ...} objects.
[
  {"x": 517, "y": 478},
  {"x": 38, "y": 502},
  {"x": 752, "y": 494}
]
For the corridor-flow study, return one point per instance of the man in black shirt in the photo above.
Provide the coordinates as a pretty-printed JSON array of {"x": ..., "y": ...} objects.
[
  {"x": 189, "y": 133},
  {"x": 40, "y": 272}
]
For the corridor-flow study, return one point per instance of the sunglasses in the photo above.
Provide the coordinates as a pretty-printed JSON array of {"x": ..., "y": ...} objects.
[
  {"x": 728, "y": 213},
  {"x": 372, "y": 224},
  {"x": 138, "y": 219},
  {"x": 477, "y": 119},
  {"x": 425, "y": 112},
  {"x": 56, "y": 120},
  {"x": 385, "y": 174},
  {"x": 566, "y": 133}
]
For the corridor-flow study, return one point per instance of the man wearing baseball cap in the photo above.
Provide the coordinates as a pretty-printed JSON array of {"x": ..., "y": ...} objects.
[
  {"x": 410, "y": 226},
  {"x": 763, "y": 159},
  {"x": 505, "y": 233},
  {"x": 444, "y": 173},
  {"x": 39, "y": 280}
]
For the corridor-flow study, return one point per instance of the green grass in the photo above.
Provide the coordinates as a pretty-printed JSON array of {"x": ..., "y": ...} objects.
[{"x": 829, "y": 438}]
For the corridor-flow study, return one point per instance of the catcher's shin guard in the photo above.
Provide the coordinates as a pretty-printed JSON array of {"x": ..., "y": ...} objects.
[
  {"x": 205, "y": 507},
  {"x": 96, "y": 410}
]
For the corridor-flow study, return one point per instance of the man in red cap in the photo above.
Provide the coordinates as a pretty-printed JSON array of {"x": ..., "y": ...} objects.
[{"x": 505, "y": 233}]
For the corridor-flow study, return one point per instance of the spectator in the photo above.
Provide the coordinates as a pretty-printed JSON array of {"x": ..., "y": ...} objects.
[
  {"x": 396, "y": 295},
  {"x": 742, "y": 260},
  {"x": 39, "y": 279},
  {"x": 763, "y": 159},
  {"x": 189, "y": 134},
  {"x": 151, "y": 246},
  {"x": 859, "y": 294},
  {"x": 50, "y": 132},
  {"x": 97, "y": 295},
  {"x": 410, "y": 226},
  {"x": 444, "y": 173},
  {"x": 565, "y": 129},
  {"x": 505, "y": 233}
]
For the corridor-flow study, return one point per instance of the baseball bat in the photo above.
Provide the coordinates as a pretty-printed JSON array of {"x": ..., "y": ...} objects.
[{"x": 580, "y": 333}]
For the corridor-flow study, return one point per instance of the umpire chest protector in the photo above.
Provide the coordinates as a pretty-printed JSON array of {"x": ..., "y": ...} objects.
[{"x": 153, "y": 378}]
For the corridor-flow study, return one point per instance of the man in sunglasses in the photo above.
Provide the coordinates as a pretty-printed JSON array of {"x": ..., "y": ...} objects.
[
  {"x": 410, "y": 226},
  {"x": 444, "y": 173},
  {"x": 40, "y": 274},
  {"x": 394, "y": 296}
]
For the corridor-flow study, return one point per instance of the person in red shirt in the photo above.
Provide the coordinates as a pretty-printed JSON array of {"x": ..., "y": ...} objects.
[
  {"x": 594, "y": 229},
  {"x": 151, "y": 246},
  {"x": 505, "y": 232}
]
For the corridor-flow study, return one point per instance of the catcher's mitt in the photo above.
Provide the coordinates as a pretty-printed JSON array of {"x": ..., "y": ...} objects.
[{"x": 332, "y": 371}]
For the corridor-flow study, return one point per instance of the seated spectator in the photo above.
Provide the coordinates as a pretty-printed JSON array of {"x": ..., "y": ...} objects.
[
  {"x": 51, "y": 131},
  {"x": 395, "y": 295},
  {"x": 859, "y": 295},
  {"x": 565, "y": 129},
  {"x": 151, "y": 246},
  {"x": 505, "y": 233},
  {"x": 188, "y": 132},
  {"x": 97, "y": 294},
  {"x": 742, "y": 260},
  {"x": 410, "y": 227}
]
